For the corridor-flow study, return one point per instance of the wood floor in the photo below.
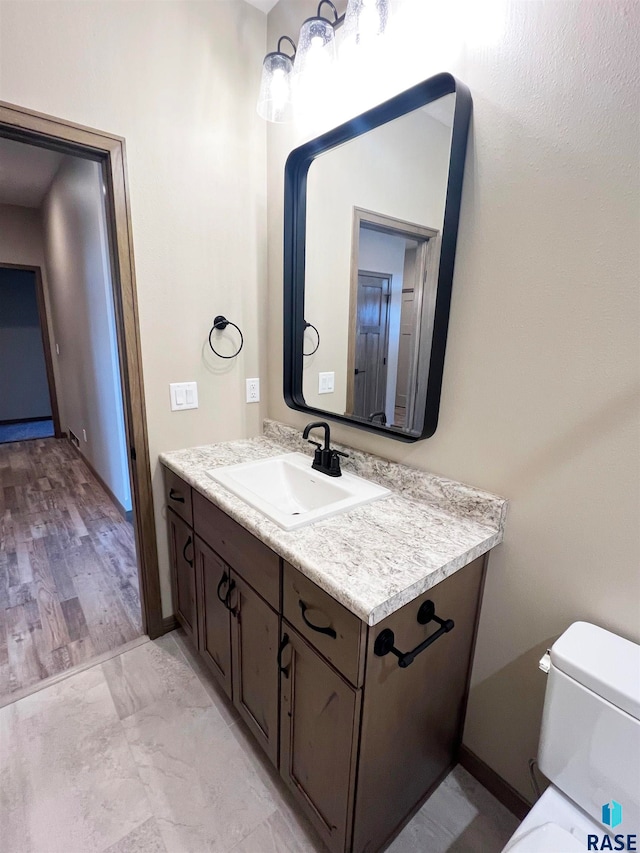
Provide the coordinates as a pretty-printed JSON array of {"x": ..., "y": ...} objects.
[{"x": 68, "y": 573}]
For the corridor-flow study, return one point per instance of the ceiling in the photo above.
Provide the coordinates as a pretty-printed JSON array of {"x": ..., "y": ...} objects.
[
  {"x": 26, "y": 172},
  {"x": 264, "y": 5}
]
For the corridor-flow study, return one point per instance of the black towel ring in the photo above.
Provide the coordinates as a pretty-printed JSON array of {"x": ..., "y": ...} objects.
[
  {"x": 311, "y": 326},
  {"x": 220, "y": 323}
]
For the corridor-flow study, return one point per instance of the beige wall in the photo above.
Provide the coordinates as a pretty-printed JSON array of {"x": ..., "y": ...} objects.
[
  {"x": 540, "y": 394},
  {"x": 77, "y": 257},
  {"x": 179, "y": 81}
]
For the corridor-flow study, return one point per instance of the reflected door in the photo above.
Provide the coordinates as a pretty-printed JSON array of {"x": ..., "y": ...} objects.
[{"x": 372, "y": 342}]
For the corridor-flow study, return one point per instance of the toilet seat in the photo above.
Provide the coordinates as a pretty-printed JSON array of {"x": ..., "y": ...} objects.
[
  {"x": 555, "y": 824},
  {"x": 549, "y": 838}
]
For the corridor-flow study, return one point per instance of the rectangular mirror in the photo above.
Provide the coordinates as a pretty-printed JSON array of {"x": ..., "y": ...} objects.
[{"x": 371, "y": 221}]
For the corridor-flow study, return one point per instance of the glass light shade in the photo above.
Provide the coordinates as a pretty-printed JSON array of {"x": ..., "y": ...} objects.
[
  {"x": 365, "y": 21},
  {"x": 274, "y": 100},
  {"x": 316, "y": 48}
]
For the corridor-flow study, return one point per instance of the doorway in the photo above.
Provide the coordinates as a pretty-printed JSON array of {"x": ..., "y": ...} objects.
[
  {"x": 28, "y": 400},
  {"x": 391, "y": 261},
  {"x": 372, "y": 345},
  {"x": 107, "y": 154}
]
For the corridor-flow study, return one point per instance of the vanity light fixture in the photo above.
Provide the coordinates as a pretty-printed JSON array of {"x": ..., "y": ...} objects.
[
  {"x": 308, "y": 69},
  {"x": 274, "y": 100},
  {"x": 317, "y": 43},
  {"x": 364, "y": 22}
]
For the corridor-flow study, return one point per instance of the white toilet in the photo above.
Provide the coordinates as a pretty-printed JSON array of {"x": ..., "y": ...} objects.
[{"x": 589, "y": 745}]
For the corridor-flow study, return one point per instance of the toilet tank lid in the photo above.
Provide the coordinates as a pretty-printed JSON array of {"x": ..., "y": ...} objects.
[{"x": 602, "y": 662}]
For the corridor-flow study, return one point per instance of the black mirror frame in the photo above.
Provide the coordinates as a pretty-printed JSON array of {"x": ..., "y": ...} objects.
[{"x": 295, "y": 216}]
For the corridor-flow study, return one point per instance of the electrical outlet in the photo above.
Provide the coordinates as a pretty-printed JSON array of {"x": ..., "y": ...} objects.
[
  {"x": 326, "y": 382},
  {"x": 253, "y": 390},
  {"x": 84, "y": 434}
]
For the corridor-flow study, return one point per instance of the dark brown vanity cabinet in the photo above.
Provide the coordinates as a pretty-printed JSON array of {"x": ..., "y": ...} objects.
[
  {"x": 255, "y": 634},
  {"x": 214, "y": 585},
  {"x": 182, "y": 557},
  {"x": 319, "y": 721},
  {"x": 226, "y": 587},
  {"x": 362, "y": 722}
]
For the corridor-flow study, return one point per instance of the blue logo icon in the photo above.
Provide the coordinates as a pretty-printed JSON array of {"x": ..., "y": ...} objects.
[{"x": 612, "y": 814}]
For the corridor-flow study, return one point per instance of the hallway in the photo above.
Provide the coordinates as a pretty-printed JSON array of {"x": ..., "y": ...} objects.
[{"x": 68, "y": 575}]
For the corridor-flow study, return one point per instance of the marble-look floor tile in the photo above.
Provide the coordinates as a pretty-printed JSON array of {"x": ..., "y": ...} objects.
[
  {"x": 144, "y": 839},
  {"x": 214, "y": 691},
  {"x": 278, "y": 834},
  {"x": 299, "y": 826},
  {"x": 462, "y": 816},
  {"x": 75, "y": 785},
  {"x": 156, "y": 670},
  {"x": 205, "y": 793}
]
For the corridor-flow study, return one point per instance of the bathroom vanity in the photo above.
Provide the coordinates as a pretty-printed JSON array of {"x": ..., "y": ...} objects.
[{"x": 306, "y": 631}]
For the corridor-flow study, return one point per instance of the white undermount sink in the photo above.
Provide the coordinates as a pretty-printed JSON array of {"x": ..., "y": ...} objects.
[{"x": 288, "y": 491}]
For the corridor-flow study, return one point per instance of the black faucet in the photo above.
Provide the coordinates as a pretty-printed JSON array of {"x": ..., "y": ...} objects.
[{"x": 325, "y": 459}]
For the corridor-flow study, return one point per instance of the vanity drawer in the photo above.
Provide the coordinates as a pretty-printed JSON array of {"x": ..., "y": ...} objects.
[
  {"x": 257, "y": 564},
  {"x": 177, "y": 495},
  {"x": 332, "y": 629}
]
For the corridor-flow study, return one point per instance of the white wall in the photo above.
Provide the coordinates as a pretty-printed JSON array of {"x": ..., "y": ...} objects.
[
  {"x": 24, "y": 390},
  {"x": 179, "y": 81},
  {"x": 540, "y": 392},
  {"x": 77, "y": 255}
]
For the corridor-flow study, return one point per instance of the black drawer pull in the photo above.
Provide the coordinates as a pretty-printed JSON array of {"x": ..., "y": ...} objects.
[
  {"x": 385, "y": 640},
  {"x": 184, "y": 551},
  {"x": 232, "y": 585},
  {"x": 328, "y": 631},
  {"x": 223, "y": 580},
  {"x": 176, "y": 496},
  {"x": 283, "y": 645}
]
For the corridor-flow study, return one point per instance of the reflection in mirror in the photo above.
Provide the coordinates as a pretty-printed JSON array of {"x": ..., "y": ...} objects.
[{"x": 374, "y": 217}]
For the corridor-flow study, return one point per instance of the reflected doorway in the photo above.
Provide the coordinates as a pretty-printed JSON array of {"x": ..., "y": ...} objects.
[{"x": 389, "y": 330}]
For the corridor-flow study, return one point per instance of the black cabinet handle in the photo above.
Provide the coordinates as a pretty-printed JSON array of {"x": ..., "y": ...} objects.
[
  {"x": 427, "y": 613},
  {"x": 223, "y": 580},
  {"x": 176, "y": 496},
  {"x": 184, "y": 551},
  {"x": 232, "y": 585},
  {"x": 328, "y": 631},
  {"x": 283, "y": 645}
]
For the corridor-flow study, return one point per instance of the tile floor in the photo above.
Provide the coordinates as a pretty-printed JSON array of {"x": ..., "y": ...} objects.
[{"x": 142, "y": 754}]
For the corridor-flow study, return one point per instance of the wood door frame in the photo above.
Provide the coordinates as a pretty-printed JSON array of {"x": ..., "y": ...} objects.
[
  {"x": 46, "y": 340},
  {"x": 56, "y": 134},
  {"x": 384, "y": 223}
]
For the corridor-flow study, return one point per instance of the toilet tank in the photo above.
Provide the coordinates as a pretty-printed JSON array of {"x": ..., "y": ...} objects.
[{"x": 590, "y": 736}]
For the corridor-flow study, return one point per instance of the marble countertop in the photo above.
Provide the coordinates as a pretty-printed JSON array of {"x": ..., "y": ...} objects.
[{"x": 375, "y": 558}]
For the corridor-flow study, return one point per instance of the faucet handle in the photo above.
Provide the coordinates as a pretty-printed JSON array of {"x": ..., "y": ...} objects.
[
  {"x": 316, "y": 443},
  {"x": 340, "y": 453}
]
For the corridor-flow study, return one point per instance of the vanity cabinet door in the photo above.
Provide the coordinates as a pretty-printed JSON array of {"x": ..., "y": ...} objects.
[
  {"x": 183, "y": 575},
  {"x": 319, "y": 720},
  {"x": 254, "y": 645},
  {"x": 214, "y": 587}
]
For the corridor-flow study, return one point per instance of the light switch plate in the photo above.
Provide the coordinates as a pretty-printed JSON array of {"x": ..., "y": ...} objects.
[
  {"x": 184, "y": 395},
  {"x": 326, "y": 382}
]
